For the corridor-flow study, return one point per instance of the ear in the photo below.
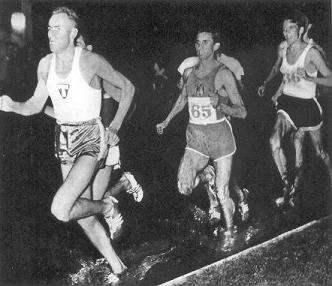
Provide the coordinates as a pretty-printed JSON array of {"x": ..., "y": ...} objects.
[
  {"x": 301, "y": 31},
  {"x": 216, "y": 46},
  {"x": 74, "y": 33}
]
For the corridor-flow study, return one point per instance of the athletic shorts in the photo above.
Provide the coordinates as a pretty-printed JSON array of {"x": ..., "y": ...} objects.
[
  {"x": 301, "y": 113},
  {"x": 214, "y": 141},
  {"x": 75, "y": 139}
]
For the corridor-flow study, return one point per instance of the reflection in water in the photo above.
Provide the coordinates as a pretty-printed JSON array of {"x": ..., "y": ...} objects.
[{"x": 196, "y": 244}]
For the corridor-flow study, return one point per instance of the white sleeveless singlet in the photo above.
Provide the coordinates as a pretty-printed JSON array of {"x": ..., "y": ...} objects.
[
  {"x": 294, "y": 85},
  {"x": 72, "y": 97}
]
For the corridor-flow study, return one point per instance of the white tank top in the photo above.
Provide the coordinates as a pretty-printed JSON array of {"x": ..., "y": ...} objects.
[
  {"x": 73, "y": 99},
  {"x": 293, "y": 84}
]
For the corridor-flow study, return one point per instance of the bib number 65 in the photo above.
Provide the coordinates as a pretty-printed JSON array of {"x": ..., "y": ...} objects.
[{"x": 200, "y": 111}]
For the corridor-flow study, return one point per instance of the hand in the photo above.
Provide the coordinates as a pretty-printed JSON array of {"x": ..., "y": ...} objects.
[
  {"x": 214, "y": 99},
  {"x": 111, "y": 136},
  {"x": 6, "y": 103},
  {"x": 161, "y": 126},
  {"x": 261, "y": 90}
]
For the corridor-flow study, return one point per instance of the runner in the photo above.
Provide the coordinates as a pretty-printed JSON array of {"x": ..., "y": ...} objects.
[
  {"x": 298, "y": 111},
  {"x": 209, "y": 90},
  {"x": 70, "y": 76},
  {"x": 207, "y": 177}
]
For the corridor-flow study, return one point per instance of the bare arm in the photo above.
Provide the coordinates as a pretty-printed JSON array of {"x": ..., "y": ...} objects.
[
  {"x": 275, "y": 97},
  {"x": 124, "y": 99},
  {"x": 315, "y": 59},
  {"x": 35, "y": 103},
  {"x": 178, "y": 106},
  {"x": 225, "y": 80},
  {"x": 274, "y": 71}
]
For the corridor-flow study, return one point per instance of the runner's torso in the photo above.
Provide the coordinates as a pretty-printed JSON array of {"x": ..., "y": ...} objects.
[
  {"x": 294, "y": 85},
  {"x": 72, "y": 97},
  {"x": 199, "y": 90}
]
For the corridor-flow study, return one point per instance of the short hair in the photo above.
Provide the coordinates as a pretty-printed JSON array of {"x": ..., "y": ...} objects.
[
  {"x": 298, "y": 18},
  {"x": 211, "y": 30},
  {"x": 69, "y": 12}
]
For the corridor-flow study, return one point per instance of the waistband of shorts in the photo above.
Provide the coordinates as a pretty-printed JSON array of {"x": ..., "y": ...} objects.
[
  {"x": 93, "y": 121},
  {"x": 298, "y": 98},
  {"x": 209, "y": 123}
]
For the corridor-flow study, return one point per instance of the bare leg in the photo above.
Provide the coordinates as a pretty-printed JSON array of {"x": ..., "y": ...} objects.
[
  {"x": 298, "y": 144},
  {"x": 316, "y": 138},
  {"x": 91, "y": 225},
  {"x": 281, "y": 128},
  {"x": 67, "y": 204},
  {"x": 223, "y": 173},
  {"x": 100, "y": 239},
  {"x": 190, "y": 165},
  {"x": 101, "y": 182}
]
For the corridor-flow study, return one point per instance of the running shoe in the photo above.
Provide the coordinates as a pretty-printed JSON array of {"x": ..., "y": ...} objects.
[
  {"x": 227, "y": 240},
  {"x": 136, "y": 189},
  {"x": 114, "y": 219},
  {"x": 112, "y": 279},
  {"x": 214, "y": 216}
]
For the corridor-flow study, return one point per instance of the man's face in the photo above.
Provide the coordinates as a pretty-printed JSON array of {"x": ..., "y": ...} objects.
[
  {"x": 61, "y": 32},
  {"x": 291, "y": 31},
  {"x": 204, "y": 45}
]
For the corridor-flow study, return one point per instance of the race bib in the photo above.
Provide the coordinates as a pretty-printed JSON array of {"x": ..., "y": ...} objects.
[{"x": 201, "y": 111}]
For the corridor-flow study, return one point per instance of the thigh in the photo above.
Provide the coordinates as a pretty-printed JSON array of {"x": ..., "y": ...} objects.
[
  {"x": 190, "y": 165},
  {"x": 77, "y": 180},
  {"x": 282, "y": 126},
  {"x": 101, "y": 182}
]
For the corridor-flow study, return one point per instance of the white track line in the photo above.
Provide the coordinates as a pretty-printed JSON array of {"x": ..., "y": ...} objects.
[{"x": 182, "y": 279}]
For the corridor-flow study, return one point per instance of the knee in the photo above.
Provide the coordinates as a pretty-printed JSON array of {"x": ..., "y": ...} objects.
[
  {"x": 59, "y": 211},
  {"x": 322, "y": 154},
  {"x": 185, "y": 188}
]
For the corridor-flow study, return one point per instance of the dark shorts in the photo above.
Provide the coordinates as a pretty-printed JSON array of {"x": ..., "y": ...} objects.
[
  {"x": 301, "y": 113},
  {"x": 214, "y": 141},
  {"x": 75, "y": 139}
]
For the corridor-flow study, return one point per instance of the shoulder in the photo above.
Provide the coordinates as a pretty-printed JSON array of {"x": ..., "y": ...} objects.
[
  {"x": 95, "y": 62},
  {"x": 224, "y": 77},
  {"x": 224, "y": 73},
  {"x": 313, "y": 52},
  {"x": 282, "y": 47}
]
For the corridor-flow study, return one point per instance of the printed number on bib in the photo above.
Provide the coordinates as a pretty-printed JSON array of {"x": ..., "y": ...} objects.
[
  {"x": 292, "y": 77},
  {"x": 201, "y": 111}
]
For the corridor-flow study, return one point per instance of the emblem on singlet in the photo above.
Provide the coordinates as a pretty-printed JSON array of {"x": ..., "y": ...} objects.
[
  {"x": 63, "y": 89},
  {"x": 200, "y": 90}
]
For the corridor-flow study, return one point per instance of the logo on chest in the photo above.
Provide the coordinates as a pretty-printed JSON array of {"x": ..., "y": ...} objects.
[{"x": 63, "y": 89}]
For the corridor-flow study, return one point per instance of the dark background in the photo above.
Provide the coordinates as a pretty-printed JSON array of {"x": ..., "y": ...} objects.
[{"x": 133, "y": 35}]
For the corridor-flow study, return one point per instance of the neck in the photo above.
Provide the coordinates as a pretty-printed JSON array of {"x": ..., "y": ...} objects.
[
  {"x": 296, "y": 45},
  {"x": 206, "y": 63},
  {"x": 66, "y": 55}
]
